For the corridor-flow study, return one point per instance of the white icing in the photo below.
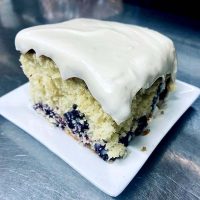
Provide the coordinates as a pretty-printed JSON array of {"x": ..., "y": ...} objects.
[{"x": 115, "y": 60}]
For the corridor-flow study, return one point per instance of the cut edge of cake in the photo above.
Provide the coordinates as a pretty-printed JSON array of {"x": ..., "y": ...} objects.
[{"x": 82, "y": 116}]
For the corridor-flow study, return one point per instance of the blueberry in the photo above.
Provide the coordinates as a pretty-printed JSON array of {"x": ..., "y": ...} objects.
[
  {"x": 76, "y": 121},
  {"x": 100, "y": 149},
  {"x": 163, "y": 94},
  {"x": 74, "y": 106},
  {"x": 159, "y": 88},
  {"x": 86, "y": 125},
  {"x": 154, "y": 101},
  {"x": 142, "y": 124},
  {"x": 155, "y": 98},
  {"x": 104, "y": 157},
  {"x": 70, "y": 125},
  {"x": 48, "y": 112},
  {"x": 62, "y": 126},
  {"x": 125, "y": 140},
  {"x": 67, "y": 115}
]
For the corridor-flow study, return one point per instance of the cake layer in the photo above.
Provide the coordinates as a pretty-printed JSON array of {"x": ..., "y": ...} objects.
[
  {"x": 69, "y": 105},
  {"x": 115, "y": 60}
]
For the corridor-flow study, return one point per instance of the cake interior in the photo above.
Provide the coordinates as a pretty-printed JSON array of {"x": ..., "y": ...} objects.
[{"x": 68, "y": 104}]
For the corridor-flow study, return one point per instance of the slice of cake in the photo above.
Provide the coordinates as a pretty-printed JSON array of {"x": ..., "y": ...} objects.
[{"x": 99, "y": 81}]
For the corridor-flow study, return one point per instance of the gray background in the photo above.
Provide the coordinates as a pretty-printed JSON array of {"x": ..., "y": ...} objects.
[{"x": 30, "y": 171}]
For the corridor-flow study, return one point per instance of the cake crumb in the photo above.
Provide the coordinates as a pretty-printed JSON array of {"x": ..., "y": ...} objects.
[
  {"x": 143, "y": 148},
  {"x": 146, "y": 132}
]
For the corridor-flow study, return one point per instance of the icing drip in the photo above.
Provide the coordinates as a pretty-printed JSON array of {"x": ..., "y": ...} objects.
[{"x": 115, "y": 60}]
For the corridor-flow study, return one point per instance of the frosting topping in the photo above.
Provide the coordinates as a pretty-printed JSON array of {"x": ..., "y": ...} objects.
[{"x": 115, "y": 60}]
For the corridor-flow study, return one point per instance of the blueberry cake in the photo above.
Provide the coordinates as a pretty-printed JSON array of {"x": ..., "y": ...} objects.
[{"x": 99, "y": 81}]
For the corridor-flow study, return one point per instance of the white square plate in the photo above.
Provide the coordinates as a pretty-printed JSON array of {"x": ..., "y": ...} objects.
[{"x": 112, "y": 178}]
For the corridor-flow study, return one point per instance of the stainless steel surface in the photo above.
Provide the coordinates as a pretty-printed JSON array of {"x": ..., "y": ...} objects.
[{"x": 30, "y": 171}]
